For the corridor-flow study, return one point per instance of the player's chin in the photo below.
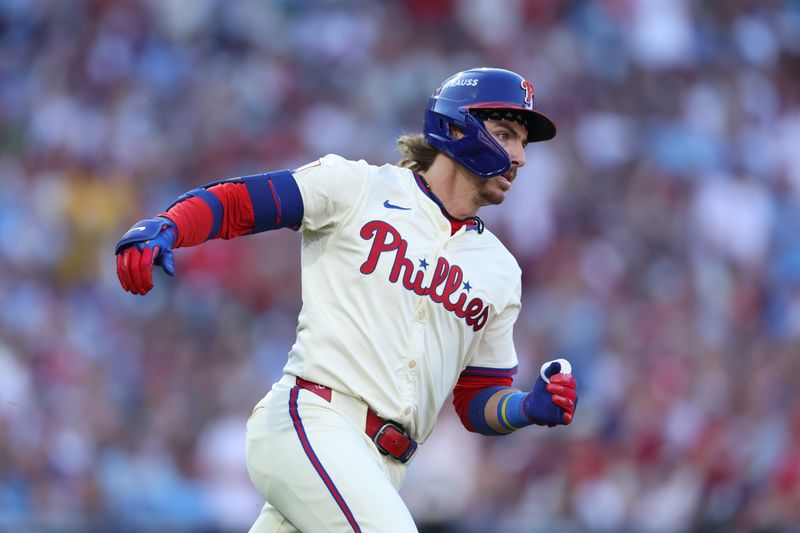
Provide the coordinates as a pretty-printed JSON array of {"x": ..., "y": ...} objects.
[{"x": 494, "y": 194}]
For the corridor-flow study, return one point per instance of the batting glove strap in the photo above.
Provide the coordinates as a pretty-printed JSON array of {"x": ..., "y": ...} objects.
[{"x": 146, "y": 230}]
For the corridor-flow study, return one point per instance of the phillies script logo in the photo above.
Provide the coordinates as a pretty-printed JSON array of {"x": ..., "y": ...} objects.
[{"x": 447, "y": 278}]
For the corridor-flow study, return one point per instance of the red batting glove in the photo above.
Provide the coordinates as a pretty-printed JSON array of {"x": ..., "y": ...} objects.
[
  {"x": 149, "y": 242},
  {"x": 564, "y": 391}
]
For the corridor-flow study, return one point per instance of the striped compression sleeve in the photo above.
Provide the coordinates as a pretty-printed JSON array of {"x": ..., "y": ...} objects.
[
  {"x": 510, "y": 411},
  {"x": 275, "y": 198}
]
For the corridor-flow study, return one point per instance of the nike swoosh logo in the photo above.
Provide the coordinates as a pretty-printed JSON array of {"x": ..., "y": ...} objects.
[
  {"x": 387, "y": 205},
  {"x": 138, "y": 228}
]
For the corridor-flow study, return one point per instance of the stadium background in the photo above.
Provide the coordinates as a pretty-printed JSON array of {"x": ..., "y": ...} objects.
[{"x": 659, "y": 235}]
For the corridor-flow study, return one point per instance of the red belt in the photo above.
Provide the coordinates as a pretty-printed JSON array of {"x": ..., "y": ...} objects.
[{"x": 388, "y": 436}]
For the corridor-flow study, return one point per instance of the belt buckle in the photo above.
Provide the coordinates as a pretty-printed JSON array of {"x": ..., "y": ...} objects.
[{"x": 412, "y": 446}]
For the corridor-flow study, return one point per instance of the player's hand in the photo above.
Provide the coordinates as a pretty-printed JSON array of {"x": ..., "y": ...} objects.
[
  {"x": 554, "y": 396},
  {"x": 148, "y": 242}
]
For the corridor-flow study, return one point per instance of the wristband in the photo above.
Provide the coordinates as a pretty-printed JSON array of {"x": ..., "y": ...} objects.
[{"x": 510, "y": 411}]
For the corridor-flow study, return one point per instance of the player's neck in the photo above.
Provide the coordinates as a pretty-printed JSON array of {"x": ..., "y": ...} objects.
[{"x": 453, "y": 186}]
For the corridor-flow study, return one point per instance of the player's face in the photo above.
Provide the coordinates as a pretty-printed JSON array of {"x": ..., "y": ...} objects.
[{"x": 514, "y": 138}]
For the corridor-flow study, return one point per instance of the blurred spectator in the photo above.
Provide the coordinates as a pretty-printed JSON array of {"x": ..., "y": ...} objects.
[{"x": 659, "y": 235}]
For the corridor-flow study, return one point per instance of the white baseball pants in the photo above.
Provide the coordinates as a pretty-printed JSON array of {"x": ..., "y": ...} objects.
[{"x": 318, "y": 469}]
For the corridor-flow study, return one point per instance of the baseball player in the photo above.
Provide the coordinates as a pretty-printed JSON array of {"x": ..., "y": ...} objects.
[{"x": 407, "y": 298}]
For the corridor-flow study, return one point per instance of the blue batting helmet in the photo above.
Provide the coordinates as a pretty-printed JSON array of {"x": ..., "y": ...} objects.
[{"x": 469, "y": 97}]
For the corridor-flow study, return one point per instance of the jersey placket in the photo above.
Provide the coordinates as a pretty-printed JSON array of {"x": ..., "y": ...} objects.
[
  {"x": 422, "y": 311},
  {"x": 442, "y": 237}
]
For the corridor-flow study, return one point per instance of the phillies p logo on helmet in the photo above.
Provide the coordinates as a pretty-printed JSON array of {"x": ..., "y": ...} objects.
[{"x": 528, "y": 86}]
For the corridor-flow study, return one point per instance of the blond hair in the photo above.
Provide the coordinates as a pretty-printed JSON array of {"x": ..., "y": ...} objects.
[{"x": 417, "y": 153}]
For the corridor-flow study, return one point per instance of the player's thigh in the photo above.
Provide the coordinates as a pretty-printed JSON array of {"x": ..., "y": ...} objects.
[
  {"x": 319, "y": 471},
  {"x": 271, "y": 521}
]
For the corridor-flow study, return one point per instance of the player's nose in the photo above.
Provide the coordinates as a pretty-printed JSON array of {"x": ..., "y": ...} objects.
[{"x": 517, "y": 155}]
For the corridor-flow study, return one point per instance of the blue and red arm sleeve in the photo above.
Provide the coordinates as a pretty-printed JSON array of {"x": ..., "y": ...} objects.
[
  {"x": 239, "y": 206},
  {"x": 471, "y": 393},
  {"x": 195, "y": 218}
]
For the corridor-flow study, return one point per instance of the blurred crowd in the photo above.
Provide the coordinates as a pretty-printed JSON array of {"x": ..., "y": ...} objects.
[{"x": 659, "y": 236}]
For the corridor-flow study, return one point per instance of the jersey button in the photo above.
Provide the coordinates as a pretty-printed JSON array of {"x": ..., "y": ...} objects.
[
  {"x": 407, "y": 411},
  {"x": 412, "y": 364},
  {"x": 421, "y": 314}
]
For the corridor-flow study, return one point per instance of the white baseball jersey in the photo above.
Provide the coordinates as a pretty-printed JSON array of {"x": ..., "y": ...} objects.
[{"x": 394, "y": 307}]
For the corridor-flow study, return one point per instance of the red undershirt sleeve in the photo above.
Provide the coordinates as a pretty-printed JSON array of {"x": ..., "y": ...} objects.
[
  {"x": 466, "y": 389},
  {"x": 194, "y": 219}
]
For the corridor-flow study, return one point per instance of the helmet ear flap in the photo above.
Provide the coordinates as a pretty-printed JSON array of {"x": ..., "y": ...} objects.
[
  {"x": 480, "y": 152},
  {"x": 476, "y": 149}
]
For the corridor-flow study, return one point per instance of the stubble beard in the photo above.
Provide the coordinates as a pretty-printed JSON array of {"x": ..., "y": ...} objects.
[{"x": 491, "y": 192}]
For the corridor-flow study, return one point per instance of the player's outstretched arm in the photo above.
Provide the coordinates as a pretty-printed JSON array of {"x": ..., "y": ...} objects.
[
  {"x": 552, "y": 402},
  {"x": 220, "y": 210}
]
